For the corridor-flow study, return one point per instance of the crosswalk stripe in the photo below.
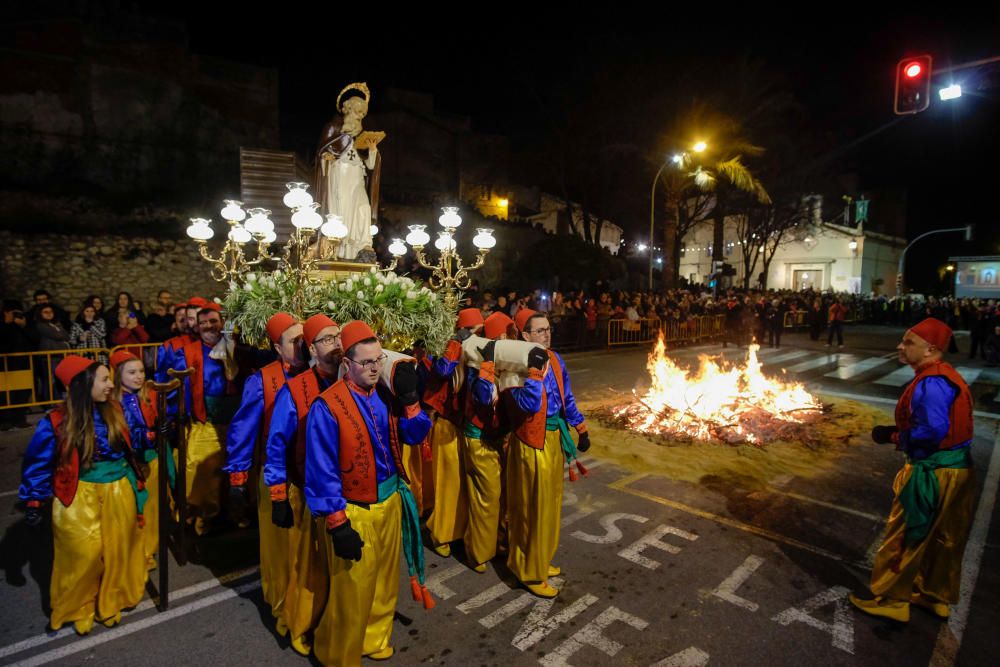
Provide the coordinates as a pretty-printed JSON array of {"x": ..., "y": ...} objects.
[
  {"x": 968, "y": 374},
  {"x": 787, "y": 356},
  {"x": 823, "y": 360},
  {"x": 863, "y": 366},
  {"x": 897, "y": 378}
]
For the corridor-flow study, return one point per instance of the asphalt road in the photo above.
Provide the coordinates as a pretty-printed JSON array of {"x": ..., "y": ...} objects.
[{"x": 656, "y": 571}]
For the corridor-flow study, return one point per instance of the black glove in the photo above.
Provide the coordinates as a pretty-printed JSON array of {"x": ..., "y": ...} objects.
[
  {"x": 883, "y": 434},
  {"x": 488, "y": 350},
  {"x": 461, "y": 335},
  {"x": 347, "y": 543},
  {"x": 281, "y": 514},
  {"x": 404, "y": 383},
  {"x": 238, "y": 503},
  {"x": 33, "y": 516},
  {"x": 537, "y": 358},
  {"x": 584, "y": 443}
]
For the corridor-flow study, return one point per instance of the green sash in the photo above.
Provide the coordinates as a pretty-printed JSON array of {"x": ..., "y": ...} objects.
[
  {"x": 557, "y": 423},
  {"x": 106, "y": 472},
  {"x": 470, "y": 430},
  {"x": 919, "y": 496},
  {"x": 149, "y": 455},
  {"x": 413, "y": 546}
]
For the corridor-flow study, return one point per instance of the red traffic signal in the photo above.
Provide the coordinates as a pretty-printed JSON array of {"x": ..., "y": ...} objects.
[{"x": 913, "y": 85}]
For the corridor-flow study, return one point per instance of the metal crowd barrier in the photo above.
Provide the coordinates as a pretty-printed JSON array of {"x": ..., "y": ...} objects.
[
  {"x": 795, "y": 318},
  {"x": 27, "y": 379},
  {"x": 646, "y": 330}
]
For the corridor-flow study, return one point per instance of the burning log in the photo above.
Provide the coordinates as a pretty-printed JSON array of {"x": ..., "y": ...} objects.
[{"x": 733, "y": 405}]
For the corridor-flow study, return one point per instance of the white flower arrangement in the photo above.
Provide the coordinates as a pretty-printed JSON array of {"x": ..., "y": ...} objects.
[{"x": 397, "y": 307}]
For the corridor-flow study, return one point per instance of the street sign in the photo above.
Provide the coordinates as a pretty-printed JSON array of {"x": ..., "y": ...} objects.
[{"x": 861, "y": 210}]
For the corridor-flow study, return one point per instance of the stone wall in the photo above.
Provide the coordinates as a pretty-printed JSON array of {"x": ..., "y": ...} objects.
[{"x": 72, "y": 267}]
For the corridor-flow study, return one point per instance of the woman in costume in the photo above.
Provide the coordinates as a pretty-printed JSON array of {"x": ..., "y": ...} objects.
[
  {"x": 139, "y": 406},
  {"x": 81, "y": 454}
]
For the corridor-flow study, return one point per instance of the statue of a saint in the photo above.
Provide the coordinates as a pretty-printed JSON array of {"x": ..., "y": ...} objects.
[{"x": 348, "y": 167}]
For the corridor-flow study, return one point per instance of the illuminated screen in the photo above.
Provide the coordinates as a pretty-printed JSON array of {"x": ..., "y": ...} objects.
[{"x": 977, "y": 279}]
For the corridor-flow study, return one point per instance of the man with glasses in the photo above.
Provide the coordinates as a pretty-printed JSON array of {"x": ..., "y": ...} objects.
[
  {"x": 354, "y": 482},
  {"x": 244, "y": 446},
  {"x": 539, "y": 448},
  {"x": 303, "y": 585}
]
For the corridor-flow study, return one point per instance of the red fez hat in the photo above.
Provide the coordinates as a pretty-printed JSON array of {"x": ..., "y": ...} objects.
[
  {"x": 279, "y": 324},
  {"x": 934, "y": 331},
  {"x": 180, "y": 305},
  {"x": 120, "y": 357},
  {"x": 522, "y": 317},
  {"x": 469, "y": 318},
  {"x": 197, "y": 302},
  {"x": 70, "y": 367},
  {"x": 355, "y": 332},
  {"x": 314, "y": 325},
  {"x": 210, "y": 305},
  {"x": 496, "y": 325}
]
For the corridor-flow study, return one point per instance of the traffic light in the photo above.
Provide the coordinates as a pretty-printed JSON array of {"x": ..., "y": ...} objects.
[
  {"x": 913, "y": 85},
  {"x": 728, "y": 269}
]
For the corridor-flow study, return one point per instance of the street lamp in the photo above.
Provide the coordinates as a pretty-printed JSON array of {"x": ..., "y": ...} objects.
[{"x": 678, "y": 159}]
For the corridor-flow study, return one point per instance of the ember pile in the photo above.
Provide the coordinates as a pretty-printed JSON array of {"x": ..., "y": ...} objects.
[{"x": 735, "y": 404}]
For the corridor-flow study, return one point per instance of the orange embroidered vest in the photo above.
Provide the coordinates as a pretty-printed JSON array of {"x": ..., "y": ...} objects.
[
  {"x": 304, "y": 389},
  {"x": 359, "y": 483},
  {"x": 530, "y": 428},
  {"x": 959, "y": 417}
]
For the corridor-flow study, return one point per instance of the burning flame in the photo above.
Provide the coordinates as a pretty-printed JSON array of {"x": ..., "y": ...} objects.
[{"x": 739, "y": 402}]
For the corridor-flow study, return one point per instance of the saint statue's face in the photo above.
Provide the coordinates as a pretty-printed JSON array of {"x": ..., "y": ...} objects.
[{"x": 355, "y": 109}]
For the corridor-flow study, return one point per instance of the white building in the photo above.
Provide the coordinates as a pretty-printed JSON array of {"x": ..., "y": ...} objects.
[
  {"x": 823, "y": 256},
  {"x": 548, "y": 215}
]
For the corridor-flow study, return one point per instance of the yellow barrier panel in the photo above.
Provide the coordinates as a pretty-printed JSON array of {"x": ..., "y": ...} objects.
[
  {"x": 27, "y": 379},
  {"x": 632, "y": 332},
  {"x": 796, "y": 318}
]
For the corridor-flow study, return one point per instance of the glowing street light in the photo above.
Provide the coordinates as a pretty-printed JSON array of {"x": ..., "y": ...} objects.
[
  {"x": 952, "y": 92},
  {"x": 700, "y": 147}
]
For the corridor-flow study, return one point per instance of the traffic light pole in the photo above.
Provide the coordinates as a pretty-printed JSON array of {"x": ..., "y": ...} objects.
[{"x": 902, "y": 256}]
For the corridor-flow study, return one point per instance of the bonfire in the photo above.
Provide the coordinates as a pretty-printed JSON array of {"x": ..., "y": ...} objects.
[{"x": 733, "y": 404}]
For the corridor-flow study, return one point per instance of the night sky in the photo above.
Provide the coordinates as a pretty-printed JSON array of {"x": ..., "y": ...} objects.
[{"x": 589, "y": 76}]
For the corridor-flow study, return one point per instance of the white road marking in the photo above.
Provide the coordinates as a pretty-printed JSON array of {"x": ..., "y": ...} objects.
[
  {"x": 591, "y": 635},
  {"x": 435, "y": 582},
  {"x": 89, "y": 642},
  {"x": 727, "y": 589},
  {"x": 949, "y": 638},
  {"x": 633, "y": 552},
  {"x": 482, "y": 599},
  {"x": 540, "y": 625},
  {"x": 612, "y": 533},
  {"x": 67, "y": 630},
  {"x": 689, "y": 657},
  {"x": 787, "y": 356},
  {"x": 897, "y": 378},
  {"x": 968, "y": 374},
  {"x": 842, "y": 628},
  {"x": 889, "y": 401},
  {"x": 824, "y": 360},
  {"x": 8, "y": 493},
  {"x": 847, "y": 372},
  {"x": 829, "y": 505}
]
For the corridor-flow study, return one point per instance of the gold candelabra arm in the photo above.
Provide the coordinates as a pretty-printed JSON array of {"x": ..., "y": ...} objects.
[
  {"x": 220, "y": 269},
  {"x": 262, "y": 252},
  {"x": 422, "y": 258}
]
